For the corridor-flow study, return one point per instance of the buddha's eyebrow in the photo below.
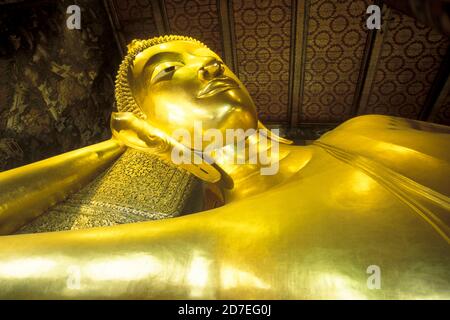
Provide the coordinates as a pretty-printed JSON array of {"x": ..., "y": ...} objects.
[{"x": 161, "y": 57}]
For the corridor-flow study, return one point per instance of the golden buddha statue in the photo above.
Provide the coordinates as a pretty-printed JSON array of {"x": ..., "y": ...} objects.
[{"x": 372, "y": 192}]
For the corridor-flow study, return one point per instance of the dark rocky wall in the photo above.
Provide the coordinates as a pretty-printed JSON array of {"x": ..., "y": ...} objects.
[{"x": 56, "y": 84}]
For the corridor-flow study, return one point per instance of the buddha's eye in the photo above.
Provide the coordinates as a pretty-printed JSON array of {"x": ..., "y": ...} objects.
[{"x": 164, "y": 72}]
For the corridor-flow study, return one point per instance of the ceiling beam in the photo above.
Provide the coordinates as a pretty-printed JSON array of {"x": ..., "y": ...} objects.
[
  {"x": 160, "y": 17},
  {"x": 372, "y": 64},
  {"x": 226, "y": 22},
  {"x": 299, "y": 36},
  {"x": 115, "y": 26},
  {"x": 365, "y": 64}
]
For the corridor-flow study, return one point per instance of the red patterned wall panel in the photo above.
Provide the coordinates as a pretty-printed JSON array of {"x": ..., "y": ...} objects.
[
  {"x": 136, "y": 18},
  {"x": 263, "y": 30},
  {"x": 335, "y": 47},
  {"x": 410, "y": 58},
  {"x": 196, "y": 18}
]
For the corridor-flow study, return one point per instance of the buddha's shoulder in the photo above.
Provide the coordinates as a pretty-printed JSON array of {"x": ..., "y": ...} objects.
[
  {"x": 391, "y": 138},
  {"x": 409, "y": 158},
  {"x": 407, "y": 151}
]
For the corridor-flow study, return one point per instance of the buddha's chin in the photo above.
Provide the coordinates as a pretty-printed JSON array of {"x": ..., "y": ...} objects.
[{"x": 242, "y": 117}]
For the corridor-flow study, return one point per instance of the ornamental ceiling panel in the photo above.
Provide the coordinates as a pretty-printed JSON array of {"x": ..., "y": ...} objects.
[
  {"x": 334, "y": 49},
  {"x": 262, "y": 32},
  {"x": 196, "y": 18},
  {"x": 410, "y": 58},
  {"x": 135, "y": 18},
  {"x": 337, "y": 68}
]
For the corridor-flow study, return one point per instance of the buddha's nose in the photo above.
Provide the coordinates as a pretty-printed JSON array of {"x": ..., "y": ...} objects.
[{"x": 210, "y": 70}]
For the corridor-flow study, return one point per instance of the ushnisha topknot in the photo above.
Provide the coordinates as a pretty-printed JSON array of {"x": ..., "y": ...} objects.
[{"x": 124, "y": 97}]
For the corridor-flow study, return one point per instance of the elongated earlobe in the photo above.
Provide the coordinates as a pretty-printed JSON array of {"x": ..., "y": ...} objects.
[{"x": 139, "y": 134}]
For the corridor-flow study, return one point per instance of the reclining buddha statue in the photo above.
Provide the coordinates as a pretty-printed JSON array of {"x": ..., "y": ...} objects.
[{"x": 361, "y": 213}]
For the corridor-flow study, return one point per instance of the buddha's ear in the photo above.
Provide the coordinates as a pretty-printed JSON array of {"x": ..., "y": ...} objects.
[
  {"x": 269, "y": 134},
  {"x": 139, "y": 134}
]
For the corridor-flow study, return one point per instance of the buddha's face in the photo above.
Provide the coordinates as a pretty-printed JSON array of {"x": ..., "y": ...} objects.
[{"x": 180, "y": 83}]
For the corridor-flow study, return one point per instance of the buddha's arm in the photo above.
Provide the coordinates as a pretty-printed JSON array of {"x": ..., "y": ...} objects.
[
  {"x": 27, "y": 191},
  {"x": 273, "y": 245}
]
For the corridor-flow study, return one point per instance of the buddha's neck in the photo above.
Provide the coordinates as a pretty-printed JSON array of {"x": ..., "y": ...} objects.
[
  {"x": 249, "y": 157},
  {"x": 264, "y": 164}
]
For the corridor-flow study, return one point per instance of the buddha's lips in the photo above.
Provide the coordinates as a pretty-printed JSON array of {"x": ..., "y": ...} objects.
[{"x": 217, "y": 85}]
